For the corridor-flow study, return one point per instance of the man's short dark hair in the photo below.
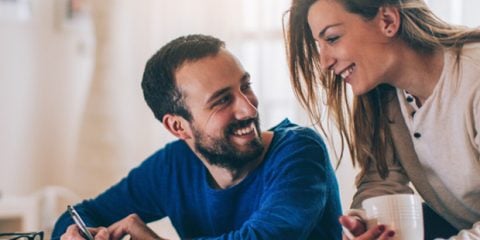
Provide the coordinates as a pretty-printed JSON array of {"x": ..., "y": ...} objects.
[{"x": 159, "y": 84}]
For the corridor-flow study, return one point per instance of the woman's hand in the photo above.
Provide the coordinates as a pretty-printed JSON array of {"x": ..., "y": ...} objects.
[{"x": 358, "y": 230}]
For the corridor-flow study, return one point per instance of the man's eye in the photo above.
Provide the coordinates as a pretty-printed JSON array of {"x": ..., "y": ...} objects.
[
  {"x": 246, "y": 87},
  {"x": 223, "y": 100}
]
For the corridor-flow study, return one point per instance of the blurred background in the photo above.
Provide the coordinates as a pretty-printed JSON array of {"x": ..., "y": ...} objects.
[{"x": 72, "y": 116}]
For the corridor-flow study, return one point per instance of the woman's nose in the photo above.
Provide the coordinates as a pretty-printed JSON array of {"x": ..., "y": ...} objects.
[{"x": 326, "y": 61}]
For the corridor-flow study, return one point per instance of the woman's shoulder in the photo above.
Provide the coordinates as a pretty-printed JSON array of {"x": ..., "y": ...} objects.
[{"x": 471, "y": 51}]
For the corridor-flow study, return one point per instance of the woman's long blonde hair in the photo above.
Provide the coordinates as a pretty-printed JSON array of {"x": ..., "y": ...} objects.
[{"x": 363, "y": 123}]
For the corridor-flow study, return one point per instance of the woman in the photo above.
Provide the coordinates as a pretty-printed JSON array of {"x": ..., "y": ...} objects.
[{"x": 415, "y": 114}]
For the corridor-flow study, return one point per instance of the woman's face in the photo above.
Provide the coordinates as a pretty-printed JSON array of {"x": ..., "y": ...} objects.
[{"x": 354, "y": 48}]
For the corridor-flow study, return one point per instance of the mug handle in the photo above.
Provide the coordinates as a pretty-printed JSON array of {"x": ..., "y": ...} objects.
[{"x": 358, "y": 213}]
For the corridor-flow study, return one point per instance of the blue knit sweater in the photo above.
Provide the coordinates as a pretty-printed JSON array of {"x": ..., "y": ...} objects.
[{"x": 293, "y": 194}]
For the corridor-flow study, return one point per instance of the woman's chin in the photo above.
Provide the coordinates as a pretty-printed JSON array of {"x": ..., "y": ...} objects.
[
  {"x": 357, "y": 91},
  {"x": 360, "y": 90}
]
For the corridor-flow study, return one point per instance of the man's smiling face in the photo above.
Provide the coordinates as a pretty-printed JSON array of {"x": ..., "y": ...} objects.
[{"x": 225, "y": 124}]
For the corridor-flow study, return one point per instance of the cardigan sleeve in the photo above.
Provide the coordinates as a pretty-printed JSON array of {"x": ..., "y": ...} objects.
[
  {"x": 467, "y": 234},
  {"x": 474, "y": 232},
  {"x": 372, "y": 184},
  {"x": 476, "y": 122},
  {"x": 397, "y": 181}
]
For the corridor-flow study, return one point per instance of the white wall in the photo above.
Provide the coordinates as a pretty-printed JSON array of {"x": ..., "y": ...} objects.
[
  {"x": 463, "y": 12},
  {"x": 44, "y": 76}
]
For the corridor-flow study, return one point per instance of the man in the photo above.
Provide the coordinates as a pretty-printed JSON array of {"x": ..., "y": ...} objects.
[{"x": 223, "y": 178}]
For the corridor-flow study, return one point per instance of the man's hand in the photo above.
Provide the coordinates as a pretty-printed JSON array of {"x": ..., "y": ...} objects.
[
  {"x": 73, "y": 233},
  {"x": 359, "y": 230},
  {"x": 131, "y": 225}
]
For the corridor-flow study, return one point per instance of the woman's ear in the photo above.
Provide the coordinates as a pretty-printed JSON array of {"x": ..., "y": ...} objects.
[
  {"x": 389, "y": 20},
  {"x": 177, "y": 125}
]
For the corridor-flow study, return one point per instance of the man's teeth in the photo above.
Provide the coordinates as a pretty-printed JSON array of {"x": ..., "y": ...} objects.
[
  {"x": 347, "y": 72},
  {"x": 245, "y": 130}
]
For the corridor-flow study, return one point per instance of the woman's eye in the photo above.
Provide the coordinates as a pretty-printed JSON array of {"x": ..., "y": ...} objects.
[{"x": 332, "y": 39}]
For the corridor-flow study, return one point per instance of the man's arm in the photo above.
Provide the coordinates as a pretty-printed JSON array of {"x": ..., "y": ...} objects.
[
  {"x": 300, "y": 189},
  {"x": 132, "y": 194}
]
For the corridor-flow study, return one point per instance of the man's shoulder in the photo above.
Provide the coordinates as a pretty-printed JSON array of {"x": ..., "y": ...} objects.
[
  {"x": 171, "y": 151},
  {"x": 287, "y": 130},
  {"x": 175, "y": 145},
  {"x": 291, "y": 140},
  {"x": 295, "y": 147}
]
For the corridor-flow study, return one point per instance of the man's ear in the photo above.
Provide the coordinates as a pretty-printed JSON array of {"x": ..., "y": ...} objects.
[
  {"x": 390, "y": 20},
  {"x": 177, "y": 125}
]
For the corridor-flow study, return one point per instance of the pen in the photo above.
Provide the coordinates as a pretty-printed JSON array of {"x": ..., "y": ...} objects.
[{"x": 81, "y": 225}]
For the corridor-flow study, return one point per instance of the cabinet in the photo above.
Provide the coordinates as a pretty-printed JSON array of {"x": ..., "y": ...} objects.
[{"x": 18, "y": 214}]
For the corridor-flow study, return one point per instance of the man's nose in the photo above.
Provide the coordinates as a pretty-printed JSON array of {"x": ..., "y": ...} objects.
[{"x": 245, "y": 107}]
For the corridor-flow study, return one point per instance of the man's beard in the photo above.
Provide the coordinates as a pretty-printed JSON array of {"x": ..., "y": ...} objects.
[{"x": 221, "y": 152}]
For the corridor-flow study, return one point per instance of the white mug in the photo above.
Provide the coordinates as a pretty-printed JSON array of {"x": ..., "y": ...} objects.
[{"x": 400, "y": 212}]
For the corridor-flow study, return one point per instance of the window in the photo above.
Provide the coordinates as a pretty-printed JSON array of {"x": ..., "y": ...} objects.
[
  {"x": 260, "y": 45},
  {"x": 463, "y": 12}
]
